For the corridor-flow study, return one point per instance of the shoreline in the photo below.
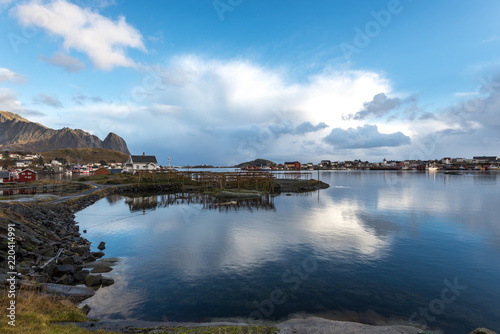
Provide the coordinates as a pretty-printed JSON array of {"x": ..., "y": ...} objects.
[{"x": 304, "y": 325}]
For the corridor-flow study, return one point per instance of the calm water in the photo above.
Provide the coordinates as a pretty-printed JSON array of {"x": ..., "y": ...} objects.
[{"x": 378, "y": 247}]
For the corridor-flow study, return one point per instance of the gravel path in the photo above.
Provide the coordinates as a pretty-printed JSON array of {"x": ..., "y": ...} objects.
[{"x": 96, "y": 187}]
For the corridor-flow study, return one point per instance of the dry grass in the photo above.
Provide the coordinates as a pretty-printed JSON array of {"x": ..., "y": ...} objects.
[{"x": 39, "y": 314}]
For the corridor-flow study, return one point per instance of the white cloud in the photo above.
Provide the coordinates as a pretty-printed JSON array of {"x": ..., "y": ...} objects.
[
  {"x": 68, "y": 63},
  {"x": 8, "y": 75},
  {"x": 9, "y": 102},
  {"x": 240, "y": 92},
  {"x": 103, "y": 40},
  {"x": 164, "y": 109}
]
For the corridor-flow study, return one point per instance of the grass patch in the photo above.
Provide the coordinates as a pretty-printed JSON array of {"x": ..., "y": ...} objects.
[{"x": 39, "y": 314}]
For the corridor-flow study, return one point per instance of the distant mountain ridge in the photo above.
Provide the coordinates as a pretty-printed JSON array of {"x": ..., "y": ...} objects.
[
  {"x": 257, "y": 162},
  {"x": 20, "y": 134}
]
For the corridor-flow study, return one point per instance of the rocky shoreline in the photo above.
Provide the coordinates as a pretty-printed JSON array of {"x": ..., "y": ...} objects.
[{"x": 51, "y": 254}]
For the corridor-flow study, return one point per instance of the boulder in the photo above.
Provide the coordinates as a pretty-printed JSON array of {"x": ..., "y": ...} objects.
[
  {"x": 90, "y": 258},
  {"x": 65, "y": 279},
  {"x": 102, "y": 246},
  {"x": 82, "y": 249},
  {"x": 101, "y": 269},
  {"x": 77, "y": 259},
  {"x": 64, "y": 269},
  {"x": 93, "y": 280},
  {"x": 107, "y": 281},
  {"x": 73, "y": 293},
  {"x": 86, "y": 309},
  {"x": 97, "y": 255},
  {"x": 80, "y": 275},
  {"x": 67, "y": 260}
]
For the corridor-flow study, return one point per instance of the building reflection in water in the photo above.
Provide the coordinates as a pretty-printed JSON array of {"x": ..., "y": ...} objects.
[{"x": 147, "y": 203}]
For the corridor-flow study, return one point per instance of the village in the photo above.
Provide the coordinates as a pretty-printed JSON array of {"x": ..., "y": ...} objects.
[{"x": 25, "y": 167}]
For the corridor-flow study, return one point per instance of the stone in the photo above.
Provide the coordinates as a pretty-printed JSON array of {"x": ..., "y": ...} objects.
[
  {"x": 49, "y": 251},
  {"x": 101, "y": 269},
  {"x": 80, "y": 275},
  {"x": 77, "y": 259},
  {"x": 65, "y": 279},
  {"x": 50, "y": 269},
  {"x": 67, "y": 260},
  {"x": 97, "y": 255},
  {"x": 86, "y": 309},
  {"x": 81, "y": 250},
  {"x": 107, "y": 281},
  {"x": 73, "y": 293},
  {"x": 64, "y": 269},
  {"x": 90, "y": 258},
  {"x": 93, "y": 280},
  {"x": 102, "y": 245}
]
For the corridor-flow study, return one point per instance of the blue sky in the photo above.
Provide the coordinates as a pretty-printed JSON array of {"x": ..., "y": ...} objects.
[{"x": 226, "y": 81}]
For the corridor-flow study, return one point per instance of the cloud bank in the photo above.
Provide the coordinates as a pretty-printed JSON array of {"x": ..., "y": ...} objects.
[{"x": 366, "y": 136}]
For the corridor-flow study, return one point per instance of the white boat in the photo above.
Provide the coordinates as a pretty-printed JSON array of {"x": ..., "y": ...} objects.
[
  {"x": 432, "y": 168},
  {"x": 81, "y": 169},
  {"x": 493, "y": 167}
]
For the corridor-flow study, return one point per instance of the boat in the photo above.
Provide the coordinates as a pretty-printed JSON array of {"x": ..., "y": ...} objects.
[
  {"x": 493, "y": 167},
  {"x": 78, "y": 169},
  {"x": 432, "y": 168}
]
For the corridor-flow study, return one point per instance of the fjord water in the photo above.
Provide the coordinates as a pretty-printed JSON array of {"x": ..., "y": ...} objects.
[{"x": 376, "y": 247}]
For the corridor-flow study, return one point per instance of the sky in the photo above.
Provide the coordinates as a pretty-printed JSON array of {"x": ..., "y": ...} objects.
[{"x": 225, "y": 81}]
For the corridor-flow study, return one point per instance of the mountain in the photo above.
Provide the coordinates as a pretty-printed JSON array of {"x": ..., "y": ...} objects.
[
  {"x": 85, "y": 155},
  {"x": 20, "y": 134},
  {"x": 256, "y": 162}
]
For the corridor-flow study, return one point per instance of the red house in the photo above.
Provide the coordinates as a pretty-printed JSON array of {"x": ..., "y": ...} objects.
[
  {"x": 292, "y": 165},
  {"x": 27, "y": 175},
  {"x": 6, "y": 177}
]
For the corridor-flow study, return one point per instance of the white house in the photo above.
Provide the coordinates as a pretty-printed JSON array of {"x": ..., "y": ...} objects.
[
  {"x": 22, "y": 163},
  {"x": 141, "y": 162}
]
